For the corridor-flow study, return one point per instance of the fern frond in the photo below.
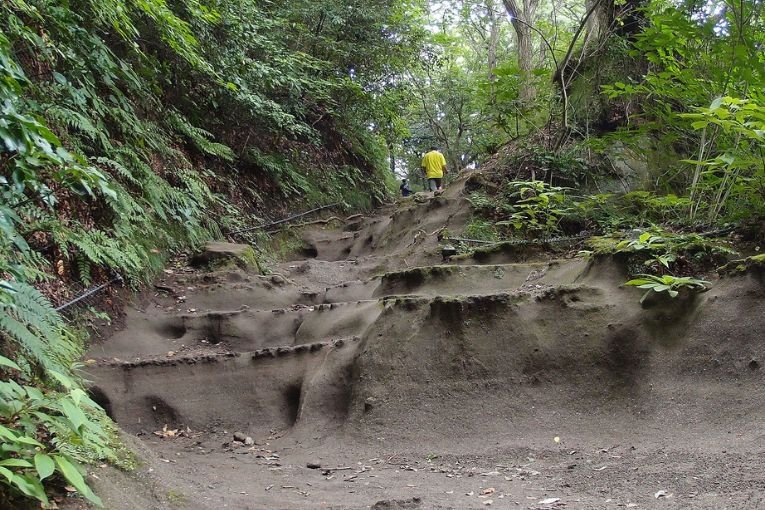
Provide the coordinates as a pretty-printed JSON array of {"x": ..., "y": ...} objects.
[
  {"x": 36, "y": 329},
  {"x": 202, "y": 139}
]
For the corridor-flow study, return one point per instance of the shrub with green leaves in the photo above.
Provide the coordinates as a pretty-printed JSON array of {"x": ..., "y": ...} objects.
[
  {"x": 533, "y": 207},
  {"x": 129, "y": 130},
  {"x": 44, "y": 432},
  {"x": 672, "y": 285}
]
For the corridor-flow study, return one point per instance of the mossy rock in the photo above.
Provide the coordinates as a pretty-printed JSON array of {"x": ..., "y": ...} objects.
[
  {"x": 219, "y": 256},
  {"x": 754, "y": 264}
]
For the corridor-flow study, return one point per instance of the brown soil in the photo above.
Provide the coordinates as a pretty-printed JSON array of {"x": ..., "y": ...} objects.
[{"x": 503, "y": 382}]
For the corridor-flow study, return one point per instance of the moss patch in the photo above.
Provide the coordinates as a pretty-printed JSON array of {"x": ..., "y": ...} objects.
[{"x": 754, "y": 264}]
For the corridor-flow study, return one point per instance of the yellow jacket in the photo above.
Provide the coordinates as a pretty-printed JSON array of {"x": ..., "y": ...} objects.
[{"x": 434, "y": 163}]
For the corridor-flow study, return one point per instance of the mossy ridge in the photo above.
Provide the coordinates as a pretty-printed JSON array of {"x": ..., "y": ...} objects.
[
  {"x": 511, "y": 249},
  {"x": 418, "y": 275},
  {"x": 754, "y": 264},
  {"x": 226, "y": 256}
]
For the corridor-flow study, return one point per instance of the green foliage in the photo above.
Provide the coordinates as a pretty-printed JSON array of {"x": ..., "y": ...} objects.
[
  {"x": 35, "y": 329},
  {"x": 698, "y": 83},
  {"x": 672, "y": 285},
  {"x": 481, "y": 230},
  {"x": 661, "y": 250},
  {"x": 635, "y": 209},
  {"x": 732, "y": 181},
  {"x": 657, "y": 240},
  {"x": 558, "y": 167},
  {"x": 47, "y": 432},
  {"x": 122, "y": 126},
  {"x": 534, "y": 207}
]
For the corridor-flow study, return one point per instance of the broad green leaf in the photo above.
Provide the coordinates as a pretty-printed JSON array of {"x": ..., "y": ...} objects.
[
  {"x": 77, "y": 395},
  {"x": 8, "y": 474},
  {"x": 16, "y": 463},
  {"x": 34, "y": 393},
  {"x": 74, "y": 413},
  {"x": 74, "y": 477},
  {"x": 31, "y": 487},
  {"x": 44, "y": 465}
]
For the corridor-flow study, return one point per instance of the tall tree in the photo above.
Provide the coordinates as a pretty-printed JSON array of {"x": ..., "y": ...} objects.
[{"x": 523, "y": 16}]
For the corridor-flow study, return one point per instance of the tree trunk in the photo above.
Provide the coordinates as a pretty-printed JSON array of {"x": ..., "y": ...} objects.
[
  {"x": 523, "y": 17},
  {"x": 493, "y": 42}
]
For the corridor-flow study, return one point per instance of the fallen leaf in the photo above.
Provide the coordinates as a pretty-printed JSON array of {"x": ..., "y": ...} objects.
[{"x": 661, "y": 494}]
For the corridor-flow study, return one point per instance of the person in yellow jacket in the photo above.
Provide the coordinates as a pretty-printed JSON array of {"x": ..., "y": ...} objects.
[{"x": 434, "y": 167}]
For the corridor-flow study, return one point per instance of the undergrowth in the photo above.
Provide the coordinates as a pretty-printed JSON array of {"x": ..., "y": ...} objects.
[
  {"x": 652, "y": 233},
  {"x": 111, "y": 159}
]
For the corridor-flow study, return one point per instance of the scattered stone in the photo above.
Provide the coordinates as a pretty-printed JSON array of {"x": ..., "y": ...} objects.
[
  {"x": 249, "y": 441},
  {"x": 313, "y": 465},
  {"x": 548, "y": 501},
  {"x": 239, "y": 436},
  {"x": 398, "y": 504},
  {"x": 278, "y": 279},
  {"x": 221, "y": 255},
  {"x": 661, "y": 494}
]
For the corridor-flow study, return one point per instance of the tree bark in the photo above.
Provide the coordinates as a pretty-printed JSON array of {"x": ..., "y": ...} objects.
[
  {"x": 521, "y": 16},
  {"x": 493, "y": 41}
]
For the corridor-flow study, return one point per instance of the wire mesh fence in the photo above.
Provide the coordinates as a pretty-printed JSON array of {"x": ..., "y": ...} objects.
[{"x": 87, "y": 296}]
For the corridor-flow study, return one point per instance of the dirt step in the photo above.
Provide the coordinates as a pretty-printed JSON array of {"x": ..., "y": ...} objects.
[
  {"x": 241, "y": 330},
  {"x": 459, "y": 280},
  {"x": 269, "y": 389},
  {"x": 227, "y": 290}
]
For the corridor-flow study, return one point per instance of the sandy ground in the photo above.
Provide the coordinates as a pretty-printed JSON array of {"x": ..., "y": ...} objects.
[{"x": 521, "y": 381}]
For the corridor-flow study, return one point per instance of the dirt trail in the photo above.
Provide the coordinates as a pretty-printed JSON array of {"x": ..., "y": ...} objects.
[{"x": 517, "y": 380}]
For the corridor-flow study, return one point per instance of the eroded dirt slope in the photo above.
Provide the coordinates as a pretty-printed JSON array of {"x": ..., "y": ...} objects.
[{"x": 520, "y": 380}]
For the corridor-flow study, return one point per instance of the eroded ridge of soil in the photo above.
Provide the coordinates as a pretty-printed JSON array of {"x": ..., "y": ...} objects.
[{"x": 517, "y": 380}]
